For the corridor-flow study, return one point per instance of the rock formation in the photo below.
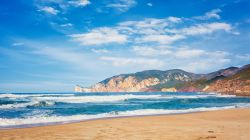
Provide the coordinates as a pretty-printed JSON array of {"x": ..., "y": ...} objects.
[
  {"x": 238, "y": 84},
  {"x": 231, "y": 80}
]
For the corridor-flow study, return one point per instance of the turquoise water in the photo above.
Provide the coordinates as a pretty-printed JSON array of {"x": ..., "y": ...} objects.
[{"x": 22, "y": 110}]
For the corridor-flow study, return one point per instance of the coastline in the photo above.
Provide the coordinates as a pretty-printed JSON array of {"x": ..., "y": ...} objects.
[
  {"x": 221, "y": 124},
  {"x": 103, "y": 118},
  {"x": 121, "y": 116}
]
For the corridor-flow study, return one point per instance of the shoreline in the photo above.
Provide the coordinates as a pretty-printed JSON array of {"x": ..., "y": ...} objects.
[
  {"x": 109, "y": 118},
  {"x": 225, "y": 124},
  {"x": 104, "y": 118},
  {"x": 22, "y": 123}
]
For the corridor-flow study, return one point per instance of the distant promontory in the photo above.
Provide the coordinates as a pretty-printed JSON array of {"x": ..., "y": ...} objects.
[{"x": 232, "y": 80}]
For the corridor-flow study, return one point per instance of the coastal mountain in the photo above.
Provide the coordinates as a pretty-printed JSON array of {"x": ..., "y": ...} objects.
[
  {"x": 141, "y": 81},
  {"x": 232, "y": 80},
  {"x": 238, "y": 84},
  {"x": 223, "y": 72}
]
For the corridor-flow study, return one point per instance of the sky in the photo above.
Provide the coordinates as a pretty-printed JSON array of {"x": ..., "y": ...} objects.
[{"x": 53, "y": 45}]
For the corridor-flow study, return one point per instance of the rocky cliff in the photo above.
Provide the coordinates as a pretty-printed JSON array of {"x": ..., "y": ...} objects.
[
  {"x": 238, "y": 84},
  {"x": 142, "y": 81},
  {"x": 128, "y": 84},
  {"x": 232, "y": 80}
]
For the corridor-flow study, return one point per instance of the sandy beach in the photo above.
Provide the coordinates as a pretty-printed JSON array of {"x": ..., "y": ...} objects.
[{"x": 231, "y": 124}]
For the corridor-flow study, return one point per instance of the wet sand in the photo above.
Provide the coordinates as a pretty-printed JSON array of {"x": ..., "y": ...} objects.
[{"x": 231, "y": 124}]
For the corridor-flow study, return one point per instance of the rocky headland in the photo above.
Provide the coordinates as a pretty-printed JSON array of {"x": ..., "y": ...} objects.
[{"x": 232, "y": 80}]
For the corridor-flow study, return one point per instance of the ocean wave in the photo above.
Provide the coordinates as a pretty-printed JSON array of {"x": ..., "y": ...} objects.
[
  {"x": 185, "y": 96},
  {"x": 113, "y": 98},
  {"x": 216, "y": 94},
  {"x": 43, "y": 120},
  {"x": 242, "y": 105},
  {"x": 106, "y": 98},
  {"x": 9, "y": 95},
  {"x": 17, "y": 105},
  {"x": 50, "y": 99},
  {"x": 42, "y": 103},
  {"x": 28, "y": 104},
  {"x": 221, "y": 95}
]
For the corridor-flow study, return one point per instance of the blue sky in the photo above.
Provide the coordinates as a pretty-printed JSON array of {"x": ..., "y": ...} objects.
[{"x": 52, "y": 45}]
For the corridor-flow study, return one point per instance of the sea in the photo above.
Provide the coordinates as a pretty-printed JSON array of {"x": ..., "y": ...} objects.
[{"x": 37, "y": 109}]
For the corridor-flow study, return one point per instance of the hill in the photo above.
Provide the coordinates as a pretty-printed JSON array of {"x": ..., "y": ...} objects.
[
  {"x": 238, "y": 84},
  {"x": 232, "y": 80}
]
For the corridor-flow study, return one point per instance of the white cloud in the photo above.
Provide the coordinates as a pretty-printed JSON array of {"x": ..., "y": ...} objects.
[
  {"x": 150, "y": 30},
  {"x": 161, "y": 39},
  {"x": 101, "y": 51},
  {"x": 49, "y": 10},
  {"x": 166, "y": 31},
  {"x": 189, "y": 53},
  {"x": 190, "y": 59},
  {"x": 213, "y": 14},
  {"x": 100, "y": 36},
  {"x": 203, "y": 65},
  {"x": 148, "y": 40},
  {"x": 174, "y": 19},
  {"x": 193, "y": 60},
  {"x": 122, "y": 5},
  {"x": 66, "y": 25},
  {"x": 150, "y": 23},
  {"x": 54, "y": 7},
  {"x": 151, "y": 51},
  {"x": 206, "y": 28},
  {"x": 80, "y": 3},
  {"x": 209, "y": 15},
  {"x": 178, "y": 53},
  {"x": 157, "y": 31},
  {"x": 122, "y": 61},
  {"x": 149, "y": 4}
]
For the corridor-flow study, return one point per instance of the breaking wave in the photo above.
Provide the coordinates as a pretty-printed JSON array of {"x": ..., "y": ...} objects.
[
  {"x": 50, "y": 99},
  {"x": 9, "y": 95},
  {"x": 43, "y": 120},
  {"x": 28, "y": 104},
  {"x": 113, "y": 98},
  {"x": 23, "y": 110},
  {"x": 109, "y": 98}
]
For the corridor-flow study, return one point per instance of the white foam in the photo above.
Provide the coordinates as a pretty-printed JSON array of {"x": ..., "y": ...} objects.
[
  {"x": 77, "y": 99},
  {"x": 216, "y": 94},
  {"x": 164, "y": 111},
  {"x": 86, "y": 99},
  {"x": 211, "y": 93},
  {"x": 18, "y": 105},
  {"x": 70, "y": 98},
  {"x": 60, "y": 119},
  {"x": 221, "y": 95},
  {"x": 113, "y": 98},
  {"x": 32, "y": 103},
  {"x": 67, "y": 98},
  {"x": 242, "y": 105},
  {"x": 8, "y": 95},
  {"x": 186, "y": 96}
]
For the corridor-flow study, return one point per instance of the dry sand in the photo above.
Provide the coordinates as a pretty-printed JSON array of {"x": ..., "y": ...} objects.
[{"x": 216, "y": 125}]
